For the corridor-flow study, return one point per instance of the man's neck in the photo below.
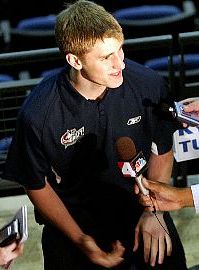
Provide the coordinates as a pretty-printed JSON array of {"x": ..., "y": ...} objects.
[{"x": 86, "y": 88}]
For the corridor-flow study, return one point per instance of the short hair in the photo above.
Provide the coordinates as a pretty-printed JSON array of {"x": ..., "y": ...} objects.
[{"x": 81, "y": 24}]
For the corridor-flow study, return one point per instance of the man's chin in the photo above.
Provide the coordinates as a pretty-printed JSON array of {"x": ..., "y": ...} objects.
[{"x": 116, "y": 84}]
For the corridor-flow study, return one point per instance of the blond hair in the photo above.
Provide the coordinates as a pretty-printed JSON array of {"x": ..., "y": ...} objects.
[{"x": 81, "y": 24}]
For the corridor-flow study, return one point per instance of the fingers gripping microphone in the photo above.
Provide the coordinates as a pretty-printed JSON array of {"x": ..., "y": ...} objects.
[{"x": 131, "y": 164}]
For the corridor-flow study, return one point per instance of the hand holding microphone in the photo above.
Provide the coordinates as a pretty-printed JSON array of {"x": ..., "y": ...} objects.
[
  {"x": 151, "y": 225},
  {"x": 131, "y": 163}
]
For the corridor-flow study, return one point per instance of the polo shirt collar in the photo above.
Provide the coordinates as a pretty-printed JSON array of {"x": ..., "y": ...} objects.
[
  {"x": 72, "y": 98},
  {"x": 69, "y": 95}
]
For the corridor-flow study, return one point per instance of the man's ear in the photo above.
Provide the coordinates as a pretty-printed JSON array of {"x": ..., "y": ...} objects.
[{"x": 74, "y": 61}]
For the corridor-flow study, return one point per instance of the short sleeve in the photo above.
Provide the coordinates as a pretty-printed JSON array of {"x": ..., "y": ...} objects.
[
  {"x": 163, "y": 124},
  {"x": 26, "y": 161}
]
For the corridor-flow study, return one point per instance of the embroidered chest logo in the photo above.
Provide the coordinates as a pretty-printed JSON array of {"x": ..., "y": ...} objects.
[
  {"x": 72, "y": 136},
  {"x": 134, "y": 120}
]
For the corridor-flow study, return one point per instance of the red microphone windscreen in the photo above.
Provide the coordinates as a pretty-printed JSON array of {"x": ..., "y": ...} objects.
[{"x": 125, "y": 148}]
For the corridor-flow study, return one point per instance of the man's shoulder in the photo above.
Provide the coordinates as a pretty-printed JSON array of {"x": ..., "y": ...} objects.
[
  {"x": 144, "y": 81},
  {"x": 141, "y": 73},
  {"x": 38, "y": 101}
]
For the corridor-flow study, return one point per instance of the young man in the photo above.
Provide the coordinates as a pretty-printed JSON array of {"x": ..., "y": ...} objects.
[{"x": 64, "y": 152}]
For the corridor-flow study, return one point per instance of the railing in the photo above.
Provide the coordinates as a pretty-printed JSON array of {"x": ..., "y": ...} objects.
[{"x": 186, "y": 43}]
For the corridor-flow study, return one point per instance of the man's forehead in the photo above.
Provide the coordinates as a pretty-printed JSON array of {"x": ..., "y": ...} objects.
[{"x": 106, "y": 45}]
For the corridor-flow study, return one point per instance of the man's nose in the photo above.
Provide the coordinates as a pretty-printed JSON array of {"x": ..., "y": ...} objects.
[{"x": 119, "y": 62}]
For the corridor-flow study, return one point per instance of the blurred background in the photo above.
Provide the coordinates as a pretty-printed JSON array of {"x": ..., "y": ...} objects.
[{"x": 160, "y": 34}]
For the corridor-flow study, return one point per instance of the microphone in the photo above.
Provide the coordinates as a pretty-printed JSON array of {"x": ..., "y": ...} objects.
[{"x": 131, "y": 164}]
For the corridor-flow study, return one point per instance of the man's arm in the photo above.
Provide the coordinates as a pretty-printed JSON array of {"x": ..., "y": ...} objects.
[
  {"x": 160, "y": 167},
  {"x": 59, "y": 216}
]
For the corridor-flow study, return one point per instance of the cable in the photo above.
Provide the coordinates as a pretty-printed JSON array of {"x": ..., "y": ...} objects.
[{"x": 155, "y": 214}]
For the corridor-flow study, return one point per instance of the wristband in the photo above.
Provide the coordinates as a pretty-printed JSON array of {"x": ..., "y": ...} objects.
[{"x": 195, "y": 193}]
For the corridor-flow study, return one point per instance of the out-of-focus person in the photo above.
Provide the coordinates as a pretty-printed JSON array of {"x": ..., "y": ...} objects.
[{"x": 9, "y": 253}]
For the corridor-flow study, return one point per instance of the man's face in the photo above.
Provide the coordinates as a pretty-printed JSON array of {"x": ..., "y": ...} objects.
[{"x": 103, "y": 64}]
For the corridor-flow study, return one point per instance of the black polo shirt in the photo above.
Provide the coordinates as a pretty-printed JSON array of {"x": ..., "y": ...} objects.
[{"x": 70, "y": 141}]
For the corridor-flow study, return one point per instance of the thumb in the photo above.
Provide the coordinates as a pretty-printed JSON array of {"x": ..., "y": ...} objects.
[
  {"x": 150, "y": 185},
  {"x": 136, "y": 189}
]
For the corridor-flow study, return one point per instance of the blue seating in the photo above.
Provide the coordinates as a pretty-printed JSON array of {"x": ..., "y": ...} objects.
[
  {"x": 38, "y": 23},
  {"x": 33, "y": 33},
  {"x": 5, "y": 78},
  {"x": 147, "y": 12},
  {"x": 161, "y": 63},
  {"x": 5, "y": 144},
  {"x": 50, "y": 72},
  {"x": 151, "y": 20}
]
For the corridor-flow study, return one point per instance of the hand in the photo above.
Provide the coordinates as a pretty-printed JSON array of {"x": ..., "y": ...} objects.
[
  {"x": 9, "y": 253},
  {"x": 164, "y": 197},
  {"x": 191, "y": 105},
  {"x": 155, "y": 238},
  {"x": 99, "y": 257}
]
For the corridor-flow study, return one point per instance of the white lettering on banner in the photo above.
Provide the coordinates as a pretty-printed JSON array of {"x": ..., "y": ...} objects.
[{"x": 186, "y": 144}]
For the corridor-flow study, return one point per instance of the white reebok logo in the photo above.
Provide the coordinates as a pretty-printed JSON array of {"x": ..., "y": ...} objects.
[{"x": 134, "y": 120}]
